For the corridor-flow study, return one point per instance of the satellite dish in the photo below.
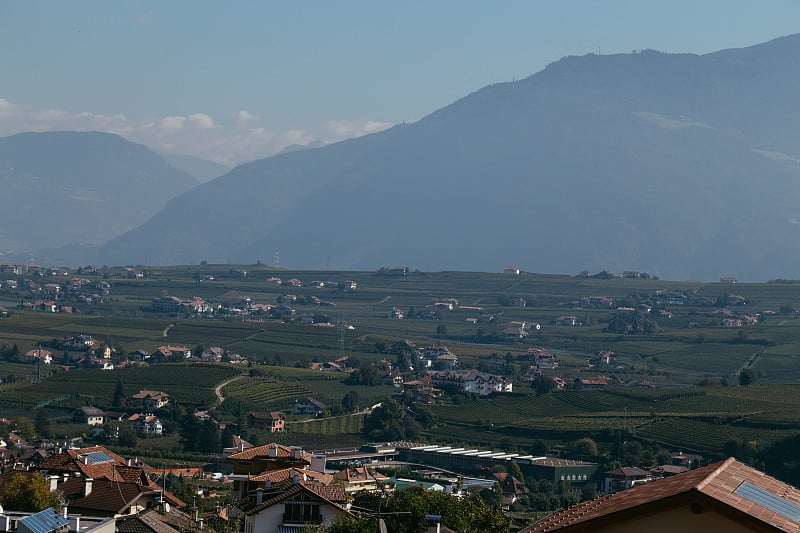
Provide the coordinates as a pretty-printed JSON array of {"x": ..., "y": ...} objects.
[
  {"x": 166, "y": 508},
  {"x": 1, "y": 510}
]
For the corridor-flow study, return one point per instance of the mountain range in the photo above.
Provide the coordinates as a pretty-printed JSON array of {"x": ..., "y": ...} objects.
[
  {"x": 680, "y": 165},
  {"x": 72, "y": 188}
]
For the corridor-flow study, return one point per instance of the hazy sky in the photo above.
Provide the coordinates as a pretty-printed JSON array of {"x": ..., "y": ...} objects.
[{"x": 233, "y": 81}]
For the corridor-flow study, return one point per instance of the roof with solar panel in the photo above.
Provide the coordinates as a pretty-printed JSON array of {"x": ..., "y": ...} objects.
[{"x": 740, "y": 496}]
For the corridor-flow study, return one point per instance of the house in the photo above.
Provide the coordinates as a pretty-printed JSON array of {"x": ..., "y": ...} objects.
[
  {"x": 273, "y": 420},
  {"x": 273, "y": 481},
  {"x": 625, "y": 477},
  {"x": 293, "y": 509},
  {"x": 514, "y": 333},
  {"x": 40, "y": 356},
  {"x": 511, "y": 487},
  {"x": 726, "y": 496},
  {"x": 688, "y": 460},
  {"x": 597, "y": 383},
  {"x": 147, "y": 424},
  {"x": 361, "y": 478},
  {"x": 473, "y": 381},
  {"x": 139, "y": 355},
  {"x": 396, "y": 313},
  {"x": 448, "y": 360},
  {"x": 605, "y": 356},
  {"x": 309, "y": 406},
  {"x": 151, "y": 399},
  {"x": 435, "y": 350},
  {"x": 173, "y": 351},
  {"x": 512, "y": 270},
  {"x": 566, "y": 321},
  {"x": 254, "y": 461},
  {"x": 89, "y": 415},
  {"x": 212, "y": 354}
]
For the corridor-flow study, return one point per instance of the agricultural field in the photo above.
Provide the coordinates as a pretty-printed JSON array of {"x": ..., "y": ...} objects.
[{"x": 678, "y": 349}]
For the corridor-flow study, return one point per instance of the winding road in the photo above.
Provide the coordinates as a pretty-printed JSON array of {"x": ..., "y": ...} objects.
[{"x": 218, "y": 388}]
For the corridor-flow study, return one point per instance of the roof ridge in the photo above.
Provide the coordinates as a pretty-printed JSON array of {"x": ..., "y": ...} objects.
[{"x": 717, "y": 471}]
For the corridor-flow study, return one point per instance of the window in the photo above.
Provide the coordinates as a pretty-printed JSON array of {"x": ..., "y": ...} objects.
[{"x": 302, "y": 511}]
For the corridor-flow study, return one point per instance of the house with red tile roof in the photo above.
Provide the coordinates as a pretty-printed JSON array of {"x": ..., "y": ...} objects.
[
  {"x": 152, "y": 399},
  {"x": 293, "y": 508},
  {"x": 260, "y": 459},
  {"x": 273, "y": 421},
  {"x": 728, "y": 496}
]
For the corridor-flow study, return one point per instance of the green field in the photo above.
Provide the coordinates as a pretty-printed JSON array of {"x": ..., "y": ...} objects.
[{"x": 688, "y": 358}]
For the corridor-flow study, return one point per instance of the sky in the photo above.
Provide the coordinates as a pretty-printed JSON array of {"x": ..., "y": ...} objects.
[{"x": 237, "y": 81}]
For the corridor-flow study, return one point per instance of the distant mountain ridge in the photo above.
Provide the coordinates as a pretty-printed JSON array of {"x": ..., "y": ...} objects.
[
  {"x": 681, "y": 165},
  {"x": 71, "y": 188}
]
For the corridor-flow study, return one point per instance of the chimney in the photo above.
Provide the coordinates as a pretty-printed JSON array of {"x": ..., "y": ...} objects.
[
  {"x": 259, "y": 495},
  {"x": 53, "y": 483},
  {"x": 87, "y": 486},
  {"x": 295, "y": 477},
  {"x": 273, "y": 450},
  {"x": 64, "y": 511},
  {"x": 434, "y": 523}
]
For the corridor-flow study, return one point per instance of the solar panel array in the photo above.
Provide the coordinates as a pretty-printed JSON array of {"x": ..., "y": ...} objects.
[
  {"x": 769, "y": 500},
  {"x": 98, "y": 458},
  {"x": 45, "y": 521}
]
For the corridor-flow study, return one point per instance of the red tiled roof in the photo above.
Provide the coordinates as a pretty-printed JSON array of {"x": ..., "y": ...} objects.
[
  {"x": 332, "y": 494},
  {"x": 263, "y": 452},
  {"x": 715, "y": 483}
]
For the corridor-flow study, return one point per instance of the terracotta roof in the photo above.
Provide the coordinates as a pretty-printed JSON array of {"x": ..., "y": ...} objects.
[
  {"x": 94, "y": 462},
  {"x": 358, "y": 474},
  {"x": 284, "y": 474},
  {"x": 332, "y": 494},
  {"x": 116, "y": 497},
  {"x": 263, "y": 452},
  {"x": 720, "y": 484},
  {"x": 153, "y": 520}
]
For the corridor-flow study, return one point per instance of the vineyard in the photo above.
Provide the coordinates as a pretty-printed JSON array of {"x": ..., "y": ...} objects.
[
  {"x": 687, "y": 359},
  {"x": 188, "y": 384}
]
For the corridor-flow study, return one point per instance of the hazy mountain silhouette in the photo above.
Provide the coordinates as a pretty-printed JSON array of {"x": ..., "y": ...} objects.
[
  {"x": 677, "y": 164},
  {"x": 65, "y": 188},
  {"x": 201, "y": 169}
]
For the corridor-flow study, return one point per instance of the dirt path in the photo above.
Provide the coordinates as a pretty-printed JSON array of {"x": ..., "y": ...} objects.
[
  {"x": 218, "y": 388},
  {"x": 166, "y": 330}
]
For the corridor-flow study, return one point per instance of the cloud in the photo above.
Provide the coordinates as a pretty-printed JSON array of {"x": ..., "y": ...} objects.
[
  {"x": 345, "y": 129},
  {"x": 239, "y": 138}
]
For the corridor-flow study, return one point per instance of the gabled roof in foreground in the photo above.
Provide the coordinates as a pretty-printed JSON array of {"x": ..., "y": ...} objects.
[{"x": 734, "y": 488}]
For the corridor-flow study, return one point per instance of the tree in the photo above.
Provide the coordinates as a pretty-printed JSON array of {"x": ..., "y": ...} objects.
[
  {"x": 25, "y": 428},
  {"x": 42, "y": 423},
  {"x": 350, "y": 401},
  {"x": 543, "y": 384},
  {"x": 388, "y": 422},
  {"x": 585, "y": 448},
  {"x": 119, "y": 395},
  {"x": 29, "y": 495},
  {"x": 127, "y": 437},
  {"x": 747, "y": 377},
  {"x": 405, "y": 512}
]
